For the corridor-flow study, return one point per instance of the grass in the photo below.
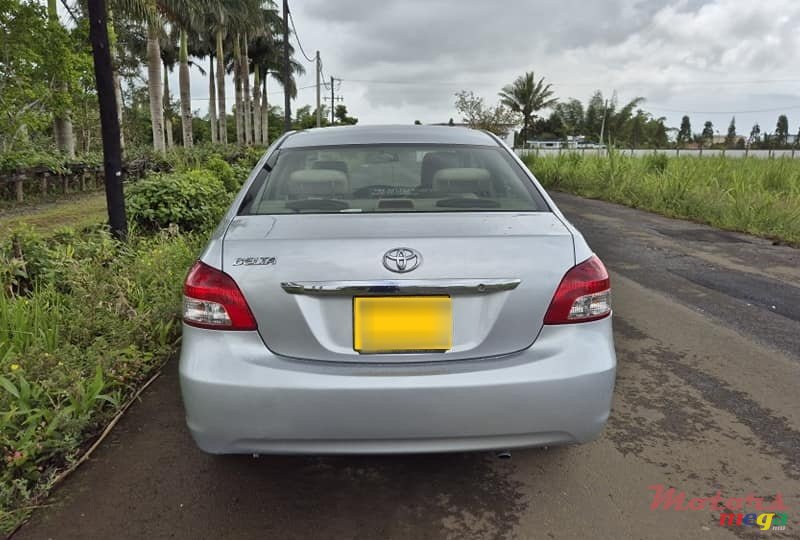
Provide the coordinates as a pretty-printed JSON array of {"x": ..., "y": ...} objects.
[
  {"x": 77, "y": 211},
  {"x": 81, "y": 329},
  {"x": 85, "y": 320},
  {"x": 755, "y": 196}
]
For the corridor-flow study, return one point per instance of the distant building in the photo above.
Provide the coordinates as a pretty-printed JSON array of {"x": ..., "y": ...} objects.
[
  {"x": 723, "y": 139},
  {"x": 570, "y": 143}
]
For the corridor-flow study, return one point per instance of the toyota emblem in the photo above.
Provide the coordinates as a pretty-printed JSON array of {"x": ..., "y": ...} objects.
[{"x": 401, "y": 260}]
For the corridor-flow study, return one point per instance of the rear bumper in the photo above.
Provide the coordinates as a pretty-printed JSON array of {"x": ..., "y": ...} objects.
[{"x": 241, "y": 398}]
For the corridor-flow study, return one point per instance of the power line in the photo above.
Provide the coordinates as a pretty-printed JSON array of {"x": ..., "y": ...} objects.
[
  {"x": 271, "y": 92},
  {"x": 753, "y": 111},
  {"x": 425, "y": 82},
  {"x": 297, "y": 38}
]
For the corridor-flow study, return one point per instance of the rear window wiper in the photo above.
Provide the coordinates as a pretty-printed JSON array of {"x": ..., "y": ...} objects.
[
  {"x": 467, "y": 202},
  {"x": 325, "y": 205}
]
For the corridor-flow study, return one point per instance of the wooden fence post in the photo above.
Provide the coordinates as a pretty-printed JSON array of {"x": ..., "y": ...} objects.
[
  {"x": 44, "y": 181},
  {"x": 18, "y": 179}
]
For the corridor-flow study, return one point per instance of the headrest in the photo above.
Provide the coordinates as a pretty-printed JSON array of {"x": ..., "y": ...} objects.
[
  {"x": 462, "y": 180},
  {"x": 330, "y": 164},
  {"x": 318, "y": 182},
  {"x": 435, "y": 161}
]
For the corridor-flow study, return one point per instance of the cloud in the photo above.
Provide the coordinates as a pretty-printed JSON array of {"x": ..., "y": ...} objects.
[{"x": 402, "y": 60}]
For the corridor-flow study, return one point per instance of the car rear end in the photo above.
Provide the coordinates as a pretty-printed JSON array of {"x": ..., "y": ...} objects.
[{"x": 395, "y": 291}]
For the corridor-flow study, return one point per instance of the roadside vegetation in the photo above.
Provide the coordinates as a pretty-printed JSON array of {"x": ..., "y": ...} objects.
[
  {"x": 85, "y": 320},
  {"x": 756, "y": 196}
]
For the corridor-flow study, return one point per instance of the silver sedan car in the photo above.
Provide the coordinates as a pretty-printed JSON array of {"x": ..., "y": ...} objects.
[{"x": 390, "y": 290}]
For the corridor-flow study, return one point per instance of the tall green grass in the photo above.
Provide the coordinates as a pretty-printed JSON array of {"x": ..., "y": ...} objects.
[
  {"x": 756, "y": 196},
  {"x": 84, "y": 320}
]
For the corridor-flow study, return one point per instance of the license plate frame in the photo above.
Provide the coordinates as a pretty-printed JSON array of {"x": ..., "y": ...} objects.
[{"x": 402, "y": 324}]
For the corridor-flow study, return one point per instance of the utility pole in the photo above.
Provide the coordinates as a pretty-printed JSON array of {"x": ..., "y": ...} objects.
[
  {"x": 287, "y": 98},
  {"x": 319, "y": 94},
  {"x": 334, "y": 99},
  {"x": 603, "y": 125},
  {"x": 109, "y": 121}
]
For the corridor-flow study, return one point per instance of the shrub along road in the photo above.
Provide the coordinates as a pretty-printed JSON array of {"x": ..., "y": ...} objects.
[{"x": 706, "y": 401}]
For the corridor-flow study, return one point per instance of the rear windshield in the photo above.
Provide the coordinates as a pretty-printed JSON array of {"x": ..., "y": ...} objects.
[{"x": 392, "y": 178}]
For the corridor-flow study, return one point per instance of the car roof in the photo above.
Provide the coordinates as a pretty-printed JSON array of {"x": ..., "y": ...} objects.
[{"x": 347, "y": 135}]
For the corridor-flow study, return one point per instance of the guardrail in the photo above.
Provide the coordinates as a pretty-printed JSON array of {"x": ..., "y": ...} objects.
[
  {"x": 674, "y": 152},
  {"x": 77, "y": 177}
]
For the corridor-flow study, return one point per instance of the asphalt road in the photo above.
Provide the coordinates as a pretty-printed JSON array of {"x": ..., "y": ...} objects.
[{"x": 708, "y": 340}]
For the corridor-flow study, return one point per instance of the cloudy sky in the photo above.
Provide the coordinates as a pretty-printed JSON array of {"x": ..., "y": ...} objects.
[{"x": 402, "y": 60}]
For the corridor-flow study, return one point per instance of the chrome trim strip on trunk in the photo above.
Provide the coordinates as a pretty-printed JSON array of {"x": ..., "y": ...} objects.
[{"x": 400, "y": 287}]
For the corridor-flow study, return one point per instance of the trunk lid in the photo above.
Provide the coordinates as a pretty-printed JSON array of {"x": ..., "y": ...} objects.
[{"x": 299, "y": 274}]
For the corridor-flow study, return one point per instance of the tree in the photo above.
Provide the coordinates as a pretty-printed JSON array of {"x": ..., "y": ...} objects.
[
  {"x": 782, "y": 130},
  {"x": 340, "y": 113},
  {"x": 526, "y": 96},
  {"x": 185, "y": 91},
  {"x": 154, "y": 15},
  {"x": 637, "y": 129},
  {"x": 595, "y": 116},
  {"x": 572, "y": 115},
  {"x": 169, "y": 57},
  {"x": 266, "y": 59},
  {"x": 155, "y": 86},
  {"x": 62, "y": 121},
  {"x": 755, "y": 135},
  {"x": 730, "y": 138},
  {"x": 23, "y": 85},
  {"x": 708, "y": 133},
  {"x": 305, "y": 118},
  {"x": 477, "y": 115},
  {"x": 685, "y": 132},
  {"x": 619, "y": 124}
]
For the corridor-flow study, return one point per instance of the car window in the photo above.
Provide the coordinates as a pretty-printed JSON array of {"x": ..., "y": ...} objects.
[{"x": 393, "y": 178}]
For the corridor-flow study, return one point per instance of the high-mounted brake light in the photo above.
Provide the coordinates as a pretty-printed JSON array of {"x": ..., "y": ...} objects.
[
  {"x": 583, "y": 295},
  {"x": 211, "y": 299}
]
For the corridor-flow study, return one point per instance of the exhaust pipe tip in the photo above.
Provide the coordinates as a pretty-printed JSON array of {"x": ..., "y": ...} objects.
[{"x": 502, "y": 454}]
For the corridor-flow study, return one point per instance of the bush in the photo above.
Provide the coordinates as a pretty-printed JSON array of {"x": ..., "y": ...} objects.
[
  {"x": 72, "y": 353},
  {"x": 224, "y": 172},
  {"x": 85, "y": 320},
  {"x": 27, "y": 258},
  {"x": 192, "y": 200}
]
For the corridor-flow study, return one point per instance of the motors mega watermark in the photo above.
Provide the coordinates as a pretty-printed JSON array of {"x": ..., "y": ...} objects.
[{"x": 766, "y": 513}]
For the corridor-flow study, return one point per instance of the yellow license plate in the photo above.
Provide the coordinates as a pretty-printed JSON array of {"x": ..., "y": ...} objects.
[{"x": 402, "y": 324}]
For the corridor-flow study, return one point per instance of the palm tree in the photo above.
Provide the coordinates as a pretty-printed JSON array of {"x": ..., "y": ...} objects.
[
  {"x": 262, "y": 41},
  {"x": 155, "y": 14},
  {"x": 62, "y": 121},
  {"x": 155, "y": 86},
  {"x": 169, "y": 57},
  {"x": 230, "y": 14},
  {"x": 617, "y": 119},
  {"x": 526, "y": 96},
  {"x": 201, "y": 45},
  {"x": 185, "y": 91},
  {"x": 266, "y": 56}
]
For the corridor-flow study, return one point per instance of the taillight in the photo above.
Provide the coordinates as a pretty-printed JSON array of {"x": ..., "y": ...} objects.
[
  {"x": 583, "y": 295},
  {"x": 211, "y": 299}
]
